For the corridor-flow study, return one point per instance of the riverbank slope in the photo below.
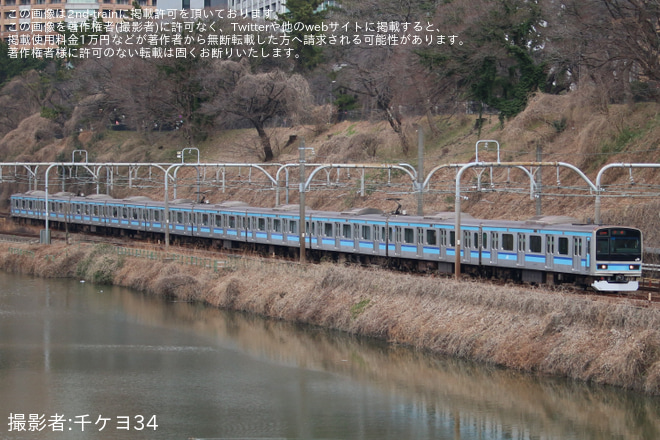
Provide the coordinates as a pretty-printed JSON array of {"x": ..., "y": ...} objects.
[{"x": 519, "y": 327}]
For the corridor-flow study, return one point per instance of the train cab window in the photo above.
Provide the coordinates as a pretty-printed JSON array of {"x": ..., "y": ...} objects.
[
  {"x": 346, "y": 230},
  {"x": 535, "y": 244},
  {"x": 327, "y": 229},
  {"x": 507, "y": 242},
  {"x": 563, "y": 245},
  {"x": 431, "y": 238},
  {"x": 365, "y": 232},
  {"x": 261, "y": 224},
  {"x": 231, "y": 221}
]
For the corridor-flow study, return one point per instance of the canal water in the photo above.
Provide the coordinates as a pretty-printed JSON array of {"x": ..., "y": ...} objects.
[{"x": 80, "y": 361}]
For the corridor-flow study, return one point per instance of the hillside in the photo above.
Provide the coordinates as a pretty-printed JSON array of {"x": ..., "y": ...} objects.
[{"x": 575, "y": 128}]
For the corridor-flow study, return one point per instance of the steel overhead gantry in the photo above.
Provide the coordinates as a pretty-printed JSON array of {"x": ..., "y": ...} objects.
[
  {"x": 176, "y": 166},
  {"x": 599, "y": 178},
  {"x": 93, "y": 168},
  {"x": 407, "y": 169},
  {"x": 518, "y": 165}
]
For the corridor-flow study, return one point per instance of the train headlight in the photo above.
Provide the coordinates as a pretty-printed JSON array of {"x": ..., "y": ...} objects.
[
  {"x": 634, "y": 267},
  {"x": 602, "y": 266}
]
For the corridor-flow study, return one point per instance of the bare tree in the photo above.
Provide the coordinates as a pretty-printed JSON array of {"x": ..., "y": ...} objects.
[{"x": 257, "y": 97}]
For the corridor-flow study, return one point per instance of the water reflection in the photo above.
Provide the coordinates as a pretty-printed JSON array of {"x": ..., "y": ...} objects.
[{"x": 244, "y": 376}]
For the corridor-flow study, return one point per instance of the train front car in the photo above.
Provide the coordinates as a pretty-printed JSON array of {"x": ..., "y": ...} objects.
[{"x": 617, "y": 266}]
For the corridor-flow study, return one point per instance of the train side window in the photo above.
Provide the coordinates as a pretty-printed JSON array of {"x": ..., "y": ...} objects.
[
  {"x": 261, "y": 224},
  {"x": 77, "y": 208},
  {"x": 431, "y": 238},
  {"x": 218, "y": 220},
  {"x": 563, "y": 245},
  {"x": 157, "y": 216},
  {"x": 136, "y": 214},
  {"x": 452, "y": 238},
  {"x": 346, "y": 230},
  {"x": 535, "y": 244},
  {"x": 231, "y": 221},
  {"x": 476, "y": 239},
  {"x": 115, "y": 212},
  {"x": 365, "y": 232},
  {"x": 293, "y": 227},
  {"x": 205, "y": 219},
  {"x": 124, "y": 212},
  {"x": 484, "y": 240},
  {"x": 96, "y": 210},
  {"x": 408, "y": 235},
  {"x": 327, "y": 229},
  {"x": 507, "y": 242},
  {"x": 277, "y": 225},
  {"x": 179, "y": 217}
]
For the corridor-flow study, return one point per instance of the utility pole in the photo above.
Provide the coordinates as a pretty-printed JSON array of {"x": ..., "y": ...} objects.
[
  {"x": 301, "y": 229},
  {"x": 539, "y": 156},
  {"x": 420, "y": 171}
]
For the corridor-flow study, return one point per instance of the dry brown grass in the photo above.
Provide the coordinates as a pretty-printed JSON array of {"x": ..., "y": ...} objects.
[{"x": 517, "y": 327}]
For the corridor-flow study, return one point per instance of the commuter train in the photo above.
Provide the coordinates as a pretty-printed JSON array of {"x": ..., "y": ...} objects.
[{"x": 543, "y": 250}]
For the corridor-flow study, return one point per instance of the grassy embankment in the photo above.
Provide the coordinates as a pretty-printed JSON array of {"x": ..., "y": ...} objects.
[{"x": 517, "y": 327}]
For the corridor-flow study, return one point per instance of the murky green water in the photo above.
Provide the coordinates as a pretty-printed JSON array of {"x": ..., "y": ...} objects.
[{"x": 79, "y": 361}]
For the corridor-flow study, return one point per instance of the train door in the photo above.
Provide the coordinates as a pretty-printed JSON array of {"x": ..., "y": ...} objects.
[
  {"x": 578, "y": 252},
  {"x": 466, "y": 246},
  {"x": 522, "y": 248},
  {"x": 398, "y": 238},
  {"x": 549, "y": 251},
  {"x": 494, "y": 246}
]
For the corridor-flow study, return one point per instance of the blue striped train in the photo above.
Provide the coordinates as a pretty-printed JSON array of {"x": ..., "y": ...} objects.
[{"x": 543, "y": 250}]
